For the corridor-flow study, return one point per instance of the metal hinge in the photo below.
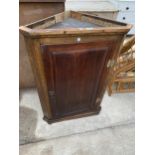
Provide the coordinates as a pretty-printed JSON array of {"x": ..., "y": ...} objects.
[{"x": 110, "y": 63}]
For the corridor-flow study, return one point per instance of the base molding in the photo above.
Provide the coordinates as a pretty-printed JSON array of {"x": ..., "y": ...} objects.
[{"x": 84, "y": 114}]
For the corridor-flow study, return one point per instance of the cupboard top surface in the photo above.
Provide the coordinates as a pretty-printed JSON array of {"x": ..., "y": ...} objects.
[{"x": 71, "y": 22}]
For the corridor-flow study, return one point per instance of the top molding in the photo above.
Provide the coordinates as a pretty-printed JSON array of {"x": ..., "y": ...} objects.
[{"x": 40, "y": 28}]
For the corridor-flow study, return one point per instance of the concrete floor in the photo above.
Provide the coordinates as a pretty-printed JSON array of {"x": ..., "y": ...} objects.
[
  {"x": 110, "y": 141},
  {"x": 109, "y": 133}
]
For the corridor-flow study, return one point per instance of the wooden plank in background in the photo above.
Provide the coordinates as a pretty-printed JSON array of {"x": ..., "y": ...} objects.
[{"x": 30, "y": 12}]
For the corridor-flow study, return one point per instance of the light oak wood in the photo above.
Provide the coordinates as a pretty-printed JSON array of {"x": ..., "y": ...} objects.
[{"x": 122, "y": 78}]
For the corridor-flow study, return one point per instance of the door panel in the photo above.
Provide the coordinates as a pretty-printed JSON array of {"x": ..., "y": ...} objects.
[{"x": 73, "y": 73}]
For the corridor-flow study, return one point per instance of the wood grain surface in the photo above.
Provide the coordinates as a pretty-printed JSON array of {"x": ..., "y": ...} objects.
[{"x": 70, "y": 65}]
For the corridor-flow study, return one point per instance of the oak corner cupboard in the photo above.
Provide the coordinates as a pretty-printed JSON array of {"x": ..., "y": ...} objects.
[{"x": 71, "y": 54}]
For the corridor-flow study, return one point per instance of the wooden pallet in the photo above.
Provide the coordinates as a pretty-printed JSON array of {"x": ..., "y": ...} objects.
[{"x": 122, "y": 75}]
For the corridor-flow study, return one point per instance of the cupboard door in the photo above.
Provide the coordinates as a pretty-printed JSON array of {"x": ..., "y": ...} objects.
[{"x": 73, "y": 73}]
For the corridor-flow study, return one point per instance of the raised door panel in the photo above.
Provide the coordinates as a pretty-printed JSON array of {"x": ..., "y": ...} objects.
[{"x": 73, "y": 73}]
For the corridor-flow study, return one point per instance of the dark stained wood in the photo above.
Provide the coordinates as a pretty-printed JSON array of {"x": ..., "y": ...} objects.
[
  {"x": 70, "y": 65},
  {"x": 73, "y": 73}
]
